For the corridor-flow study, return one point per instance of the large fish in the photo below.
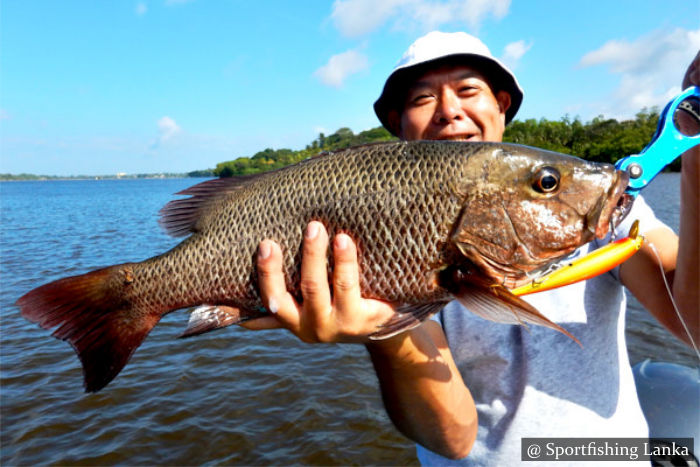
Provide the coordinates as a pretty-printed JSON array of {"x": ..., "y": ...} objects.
[{"x": 432, "y": 220}]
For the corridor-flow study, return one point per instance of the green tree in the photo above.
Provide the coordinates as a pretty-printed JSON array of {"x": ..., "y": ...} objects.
[{"x": 601, "y": 139}]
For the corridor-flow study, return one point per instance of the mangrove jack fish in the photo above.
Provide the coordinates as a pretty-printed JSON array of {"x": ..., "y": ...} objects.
[{"x": 432, "y": 220}]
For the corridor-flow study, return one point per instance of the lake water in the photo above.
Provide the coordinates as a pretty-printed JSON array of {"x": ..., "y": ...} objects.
[{"x": 228, "y": 397}]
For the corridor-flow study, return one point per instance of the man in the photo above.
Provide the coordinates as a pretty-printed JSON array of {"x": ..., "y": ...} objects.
[{"x": 521, "y": 383}]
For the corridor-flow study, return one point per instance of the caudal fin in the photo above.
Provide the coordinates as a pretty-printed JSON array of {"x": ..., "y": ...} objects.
[{"x": 95, "y": 315}]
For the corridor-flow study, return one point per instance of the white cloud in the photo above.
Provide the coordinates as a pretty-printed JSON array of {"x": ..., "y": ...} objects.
[
  {"x": 141, "y": 9},
  {"x": 355, "y": 18},
  {"x": 358, "y": 17},
  {"x": 651, "y": 68},
  {"x": 513, "y": 52},
  {"x": 167, "y": 129},
  {"x": 340, "y": 66}
]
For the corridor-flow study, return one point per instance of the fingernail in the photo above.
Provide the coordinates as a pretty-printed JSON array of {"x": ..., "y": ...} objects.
[
  {"x": 341, "y": 241},
  {"x": 264, "y": 250},
  {"x": 312, "y": 230},
  {"x": 272, "y": 305}
]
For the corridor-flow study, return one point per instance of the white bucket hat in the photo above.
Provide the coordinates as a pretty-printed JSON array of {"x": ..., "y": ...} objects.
[{"x": 454, "y": 46}]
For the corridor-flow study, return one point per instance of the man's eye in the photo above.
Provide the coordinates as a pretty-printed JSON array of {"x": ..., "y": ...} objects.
[
  {"x": 420, "y": 99},
  {"x": 467, "y": 89}
]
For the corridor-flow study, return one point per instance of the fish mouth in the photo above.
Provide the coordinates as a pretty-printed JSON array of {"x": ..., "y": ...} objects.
[
  {"x": 615, "y": 212},
  {"x": 623, "y": 207}
]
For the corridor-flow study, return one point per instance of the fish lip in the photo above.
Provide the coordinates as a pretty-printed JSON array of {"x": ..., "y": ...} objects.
[
  {"x": 613, "y": 214},
  {"x": 624, "y": 206}
]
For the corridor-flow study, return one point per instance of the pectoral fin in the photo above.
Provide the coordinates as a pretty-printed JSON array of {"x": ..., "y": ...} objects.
[
  {"x": 496, "y": 303},
  {"x": 406, "y": 318}
]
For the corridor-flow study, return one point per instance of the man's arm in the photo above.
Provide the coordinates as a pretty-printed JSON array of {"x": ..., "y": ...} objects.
[
  {"x": 680, "y": 256},
  {"x": 422, "y": 389}
]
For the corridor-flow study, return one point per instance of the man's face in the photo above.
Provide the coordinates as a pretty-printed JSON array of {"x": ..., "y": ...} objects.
[{"x": 452, "y": 102}]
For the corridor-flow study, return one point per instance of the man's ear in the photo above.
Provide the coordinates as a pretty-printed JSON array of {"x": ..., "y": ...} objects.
[
  {"x": 394, "y": 120},
  {"x": 503, "y": 99}
]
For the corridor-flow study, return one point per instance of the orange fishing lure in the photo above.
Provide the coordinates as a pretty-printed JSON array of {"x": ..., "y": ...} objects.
[{"x": 595, "y": 263}]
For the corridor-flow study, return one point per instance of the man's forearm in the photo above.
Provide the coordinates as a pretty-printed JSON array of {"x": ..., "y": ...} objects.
[
  {"x": 423, "y": 391},
  {"x": 686, "y": 281}
]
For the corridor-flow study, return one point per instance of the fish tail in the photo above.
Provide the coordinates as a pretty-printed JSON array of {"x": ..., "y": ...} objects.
[{"x": 97, "y": 314}]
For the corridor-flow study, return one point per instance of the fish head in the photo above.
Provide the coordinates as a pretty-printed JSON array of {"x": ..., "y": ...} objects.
[{"x": 524, "y": 208}]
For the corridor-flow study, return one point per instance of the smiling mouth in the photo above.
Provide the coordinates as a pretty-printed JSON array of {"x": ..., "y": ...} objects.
[{"x": 458, "y": 138}]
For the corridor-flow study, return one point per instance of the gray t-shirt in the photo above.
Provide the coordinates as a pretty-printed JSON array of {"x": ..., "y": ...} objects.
[{"x": 536, "y": 382}]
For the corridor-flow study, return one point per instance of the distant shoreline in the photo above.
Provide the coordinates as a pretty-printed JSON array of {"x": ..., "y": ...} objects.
[{"x": 50, "y": 178}]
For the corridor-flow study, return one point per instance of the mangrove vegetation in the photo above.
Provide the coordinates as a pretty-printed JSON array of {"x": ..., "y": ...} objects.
[{"x": 600, "y": 140}]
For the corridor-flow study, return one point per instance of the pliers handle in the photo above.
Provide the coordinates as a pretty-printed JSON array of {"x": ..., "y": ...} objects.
[{"x": 666, "y": 145}]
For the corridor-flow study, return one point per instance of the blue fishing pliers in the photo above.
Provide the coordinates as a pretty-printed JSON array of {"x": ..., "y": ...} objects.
[{"x": 666, "y": 145}]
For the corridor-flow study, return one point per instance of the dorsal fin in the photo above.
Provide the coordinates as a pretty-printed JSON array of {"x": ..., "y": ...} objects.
[{"x": 180, "y": 216}]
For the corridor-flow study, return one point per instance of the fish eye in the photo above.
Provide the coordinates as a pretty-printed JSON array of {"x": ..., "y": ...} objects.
[{"x": 546, "y": 180}]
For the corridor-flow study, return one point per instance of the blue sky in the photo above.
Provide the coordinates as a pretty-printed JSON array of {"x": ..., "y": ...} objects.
[{"x": 150, "y": 86}]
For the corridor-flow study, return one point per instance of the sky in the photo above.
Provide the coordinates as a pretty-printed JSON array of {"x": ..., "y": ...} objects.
[{"x": 150, "y": 86}]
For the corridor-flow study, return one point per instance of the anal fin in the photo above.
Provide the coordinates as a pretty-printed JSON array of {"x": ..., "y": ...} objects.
[{"x": 205, "y": 318}]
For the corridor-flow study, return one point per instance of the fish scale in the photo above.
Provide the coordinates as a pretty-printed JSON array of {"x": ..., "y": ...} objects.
[
  {"x": 431, "y": 220},
  {"x": 376, "y": 192}
]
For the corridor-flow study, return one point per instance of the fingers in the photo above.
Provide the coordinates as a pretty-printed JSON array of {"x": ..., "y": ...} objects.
[
  {"x": 304, "y": 321},
  {"x": 355, "y": 317},
  {"x": 259, "y": 324},
  {"x": 273, "y": 288},
  {"x": 346, "y": 274},
  {"x": 347, "y": 318},
  {"x": 314, "y": 277}
]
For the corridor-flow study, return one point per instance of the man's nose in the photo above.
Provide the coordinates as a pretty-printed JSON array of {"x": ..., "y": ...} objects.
[{"x": 448, "y": 108}]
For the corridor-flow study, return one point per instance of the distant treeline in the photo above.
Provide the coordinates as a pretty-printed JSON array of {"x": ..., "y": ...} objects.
[
  {"x": 600, "y": 140},
  {"x": 29, "y": 177},
  {"x": 270, "y": 159}
]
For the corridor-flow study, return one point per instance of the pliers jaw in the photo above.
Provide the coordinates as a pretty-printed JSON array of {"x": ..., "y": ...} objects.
[{"x": 666, "y": 145}]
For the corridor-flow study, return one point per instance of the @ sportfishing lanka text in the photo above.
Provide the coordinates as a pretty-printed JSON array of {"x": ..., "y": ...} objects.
[{"x": 604, "y": 449}]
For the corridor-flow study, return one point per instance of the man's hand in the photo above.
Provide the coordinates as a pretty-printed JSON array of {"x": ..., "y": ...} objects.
[
  {"x": 347, "y": 317},
  {"x": 687, "y": 123}
]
